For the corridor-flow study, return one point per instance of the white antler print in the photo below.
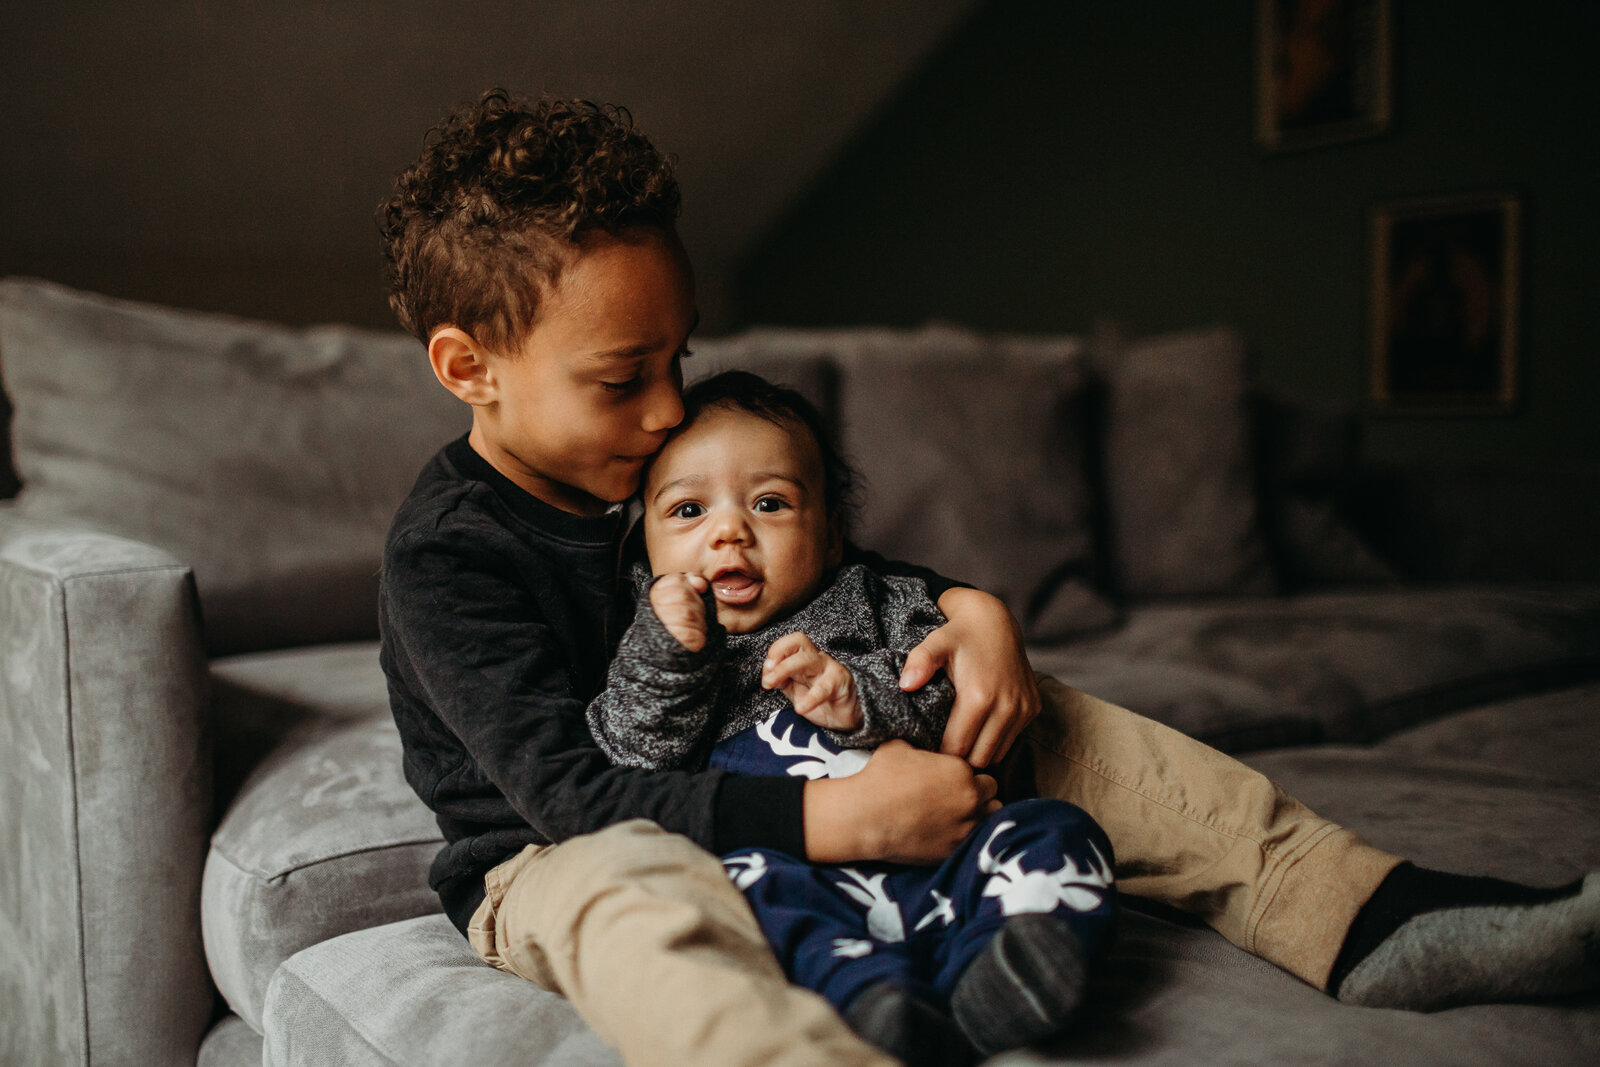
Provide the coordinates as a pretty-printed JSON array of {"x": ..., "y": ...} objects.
[
  {"x": 745, "y": 871},
  {"x": 1041, "y": 891},
  {"x": 883, "y": 915},
  {"x": 819, "y": 761}
]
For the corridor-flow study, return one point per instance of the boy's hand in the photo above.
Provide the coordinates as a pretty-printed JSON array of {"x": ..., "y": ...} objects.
[
  {"x": 904, "y": 806},
  {"x": 676, "y": 599},
  {"x": 820, "y": 687},
  {"x": 980, "y": 650}
]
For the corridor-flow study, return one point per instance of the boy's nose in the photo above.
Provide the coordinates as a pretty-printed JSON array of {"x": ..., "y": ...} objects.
[{"x": 663, "y": 408}]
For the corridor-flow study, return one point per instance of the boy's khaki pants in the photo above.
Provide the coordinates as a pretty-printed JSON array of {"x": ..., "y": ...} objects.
[{"x": 658, "y": 951}]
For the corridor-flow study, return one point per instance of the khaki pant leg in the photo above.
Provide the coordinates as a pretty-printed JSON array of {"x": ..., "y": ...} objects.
[
  {"x": 658, "y": 951},
  {"x": 1202, "y": 832}
]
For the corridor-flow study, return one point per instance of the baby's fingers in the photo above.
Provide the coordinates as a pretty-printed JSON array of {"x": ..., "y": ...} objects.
[{"x": 787, "y": 655}]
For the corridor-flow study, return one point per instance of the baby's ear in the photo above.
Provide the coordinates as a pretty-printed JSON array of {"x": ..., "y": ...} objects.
[{"x": 835, "y": 542}]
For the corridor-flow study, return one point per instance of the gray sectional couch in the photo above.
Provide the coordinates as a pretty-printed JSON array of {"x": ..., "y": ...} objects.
[{"x": 210, "y": 853}]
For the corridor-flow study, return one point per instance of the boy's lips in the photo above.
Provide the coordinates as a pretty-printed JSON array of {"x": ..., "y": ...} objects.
[{"x": 735, "y": 587}]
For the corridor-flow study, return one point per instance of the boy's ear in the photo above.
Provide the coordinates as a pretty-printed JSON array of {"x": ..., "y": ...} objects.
[{"x": 462, "y": 366}]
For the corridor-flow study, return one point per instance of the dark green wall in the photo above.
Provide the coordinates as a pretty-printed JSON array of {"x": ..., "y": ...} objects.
[{"x": 1056, "y": 162}]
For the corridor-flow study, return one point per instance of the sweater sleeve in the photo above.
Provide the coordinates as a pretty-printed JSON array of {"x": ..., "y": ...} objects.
[
  {"x": 905, "y": 615},
  {"x": 657, "y": 708},
  {"x": 485, "y": 655},
  {"x": 937, "y": 585}
]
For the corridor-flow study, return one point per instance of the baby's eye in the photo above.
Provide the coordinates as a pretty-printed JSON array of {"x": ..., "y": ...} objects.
[
  {"x": 687, "y": 510},
  {"x": 622, "y": 387},
  {"x": 771, "y": 503}
]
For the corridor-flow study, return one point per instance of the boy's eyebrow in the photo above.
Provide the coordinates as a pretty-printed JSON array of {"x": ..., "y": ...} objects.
[{"x": 637, "y": 349}]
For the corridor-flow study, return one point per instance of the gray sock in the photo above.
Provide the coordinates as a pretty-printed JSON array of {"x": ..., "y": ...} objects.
[
  {"x": 1023, "y": 987},
  {"x": 1478, "y": 954}
]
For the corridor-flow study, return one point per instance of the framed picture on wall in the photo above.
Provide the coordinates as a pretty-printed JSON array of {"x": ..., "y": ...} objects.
[
  {"x": 1323, "y": 71},
  {"x": 1446, "y": 292}
]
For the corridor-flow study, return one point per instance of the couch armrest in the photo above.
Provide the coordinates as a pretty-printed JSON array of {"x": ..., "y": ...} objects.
[{"x": 105, "y": 781}]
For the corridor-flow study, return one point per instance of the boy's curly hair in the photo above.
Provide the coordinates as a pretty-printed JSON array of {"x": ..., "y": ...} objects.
[{"x": 475, "y": 229}]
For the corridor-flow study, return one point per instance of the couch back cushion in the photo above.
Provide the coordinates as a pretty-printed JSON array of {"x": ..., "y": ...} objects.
[
  {"x": 1179, "y": 468},
  {"x": 972, "y": 450},
  {"x": 269, "y": 458}
]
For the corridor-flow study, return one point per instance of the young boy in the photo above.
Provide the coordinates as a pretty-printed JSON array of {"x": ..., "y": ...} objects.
[
  {"x": 754, "y": 651},
  {"x": 532, "y": 250}
]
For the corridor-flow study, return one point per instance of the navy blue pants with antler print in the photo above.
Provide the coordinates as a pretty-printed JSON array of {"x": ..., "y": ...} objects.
[{"x": 839, "y": 929}]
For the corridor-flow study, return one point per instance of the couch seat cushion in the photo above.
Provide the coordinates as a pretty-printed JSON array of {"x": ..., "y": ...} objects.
[
  {"x": 1345, "y": 666},
  {"x": 1442, "y": 813},
  {"x": 1552, "y": 735},
  {"x": 413, "y": 992},
  {"x": 324, "y": 837},
  {"x": 259, "y": 699}
]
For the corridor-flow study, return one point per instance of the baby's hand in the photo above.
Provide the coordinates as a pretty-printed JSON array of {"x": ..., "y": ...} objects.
[
  {"x": 677, "y": 603},
  {"x": 819, "y": 686}
]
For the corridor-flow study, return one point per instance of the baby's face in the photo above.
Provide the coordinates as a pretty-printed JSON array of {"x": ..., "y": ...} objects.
[{"x": 740, "y": 501}]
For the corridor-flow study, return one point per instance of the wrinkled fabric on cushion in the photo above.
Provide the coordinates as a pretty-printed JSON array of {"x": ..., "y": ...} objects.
[
  {"x": 1442, "y": 814},
  {"x": 1555, "y": 736},
  {"x": 267, "y": 458},
  {"x": 437, "y": 1003},
  {"x": 324, "y": 838},
  {"x": 1353, "y": 666},
  {"x": 1179, "y": 467}
]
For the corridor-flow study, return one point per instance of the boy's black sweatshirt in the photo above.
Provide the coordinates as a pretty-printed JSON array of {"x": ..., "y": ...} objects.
[{"x": 498, "y": 615}]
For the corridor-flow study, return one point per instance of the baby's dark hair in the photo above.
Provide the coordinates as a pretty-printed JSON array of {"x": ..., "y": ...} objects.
[
  {"x": 785, "y": 407},
  {"x": 476, "y": 227}
]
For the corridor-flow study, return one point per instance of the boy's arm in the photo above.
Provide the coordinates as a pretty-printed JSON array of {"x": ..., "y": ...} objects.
[
  {"x": 656, "y": 709},
  {"x": 492, "y": 669}
]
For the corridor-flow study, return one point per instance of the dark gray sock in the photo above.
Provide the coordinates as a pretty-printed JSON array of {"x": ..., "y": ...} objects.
[
  {"x": 1479, "y": 953},
  {"x": 1024, "y": 987},
  {"x": 892, "y": 1018}
]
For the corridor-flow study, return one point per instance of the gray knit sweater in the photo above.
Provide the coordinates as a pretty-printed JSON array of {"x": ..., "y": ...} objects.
[{"x": 665, "y": 707}]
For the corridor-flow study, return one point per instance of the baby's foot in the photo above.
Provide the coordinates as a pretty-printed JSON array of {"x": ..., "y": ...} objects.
[
  {"x": 1024, "y": 986},
  {"x": 892, "y": 1018}
]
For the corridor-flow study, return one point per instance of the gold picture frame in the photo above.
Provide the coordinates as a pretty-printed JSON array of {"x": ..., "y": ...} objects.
[
  {"x": 1446, "y": 304},
  {"x": 1324, "y": 71}
]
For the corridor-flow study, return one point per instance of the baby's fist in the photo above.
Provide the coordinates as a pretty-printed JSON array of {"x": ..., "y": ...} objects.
[{"x": 676, "y": 600}]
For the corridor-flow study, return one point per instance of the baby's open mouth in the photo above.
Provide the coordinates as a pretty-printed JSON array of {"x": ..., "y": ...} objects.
[{"x": 735, "y": 587}]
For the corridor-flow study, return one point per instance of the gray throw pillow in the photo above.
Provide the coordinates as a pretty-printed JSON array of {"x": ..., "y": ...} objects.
[
  {"x": 973, "y": 451},
  {"x": 270, "y": 459},
  {"x": 1179, "y": 477}
]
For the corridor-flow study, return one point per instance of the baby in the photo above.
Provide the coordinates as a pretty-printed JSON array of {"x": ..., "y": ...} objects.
[{"x": 755, "y": 651}]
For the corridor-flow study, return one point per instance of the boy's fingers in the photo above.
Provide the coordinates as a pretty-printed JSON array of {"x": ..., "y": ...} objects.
[
  {"x": 697, "y": 583},
  {"x": 924, "y": 661},
  {"x": 961, "y": 731}
]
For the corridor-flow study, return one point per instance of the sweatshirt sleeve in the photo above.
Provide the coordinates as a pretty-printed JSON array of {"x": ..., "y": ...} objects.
[
  {"x": 656, "y": 709},
  {"x": 486, "y": 657}
]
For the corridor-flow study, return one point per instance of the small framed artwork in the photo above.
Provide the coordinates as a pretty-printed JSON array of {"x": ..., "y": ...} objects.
[
  {"x": 1446, "y": 294},
  {"x": 1323, "y": 71}
]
